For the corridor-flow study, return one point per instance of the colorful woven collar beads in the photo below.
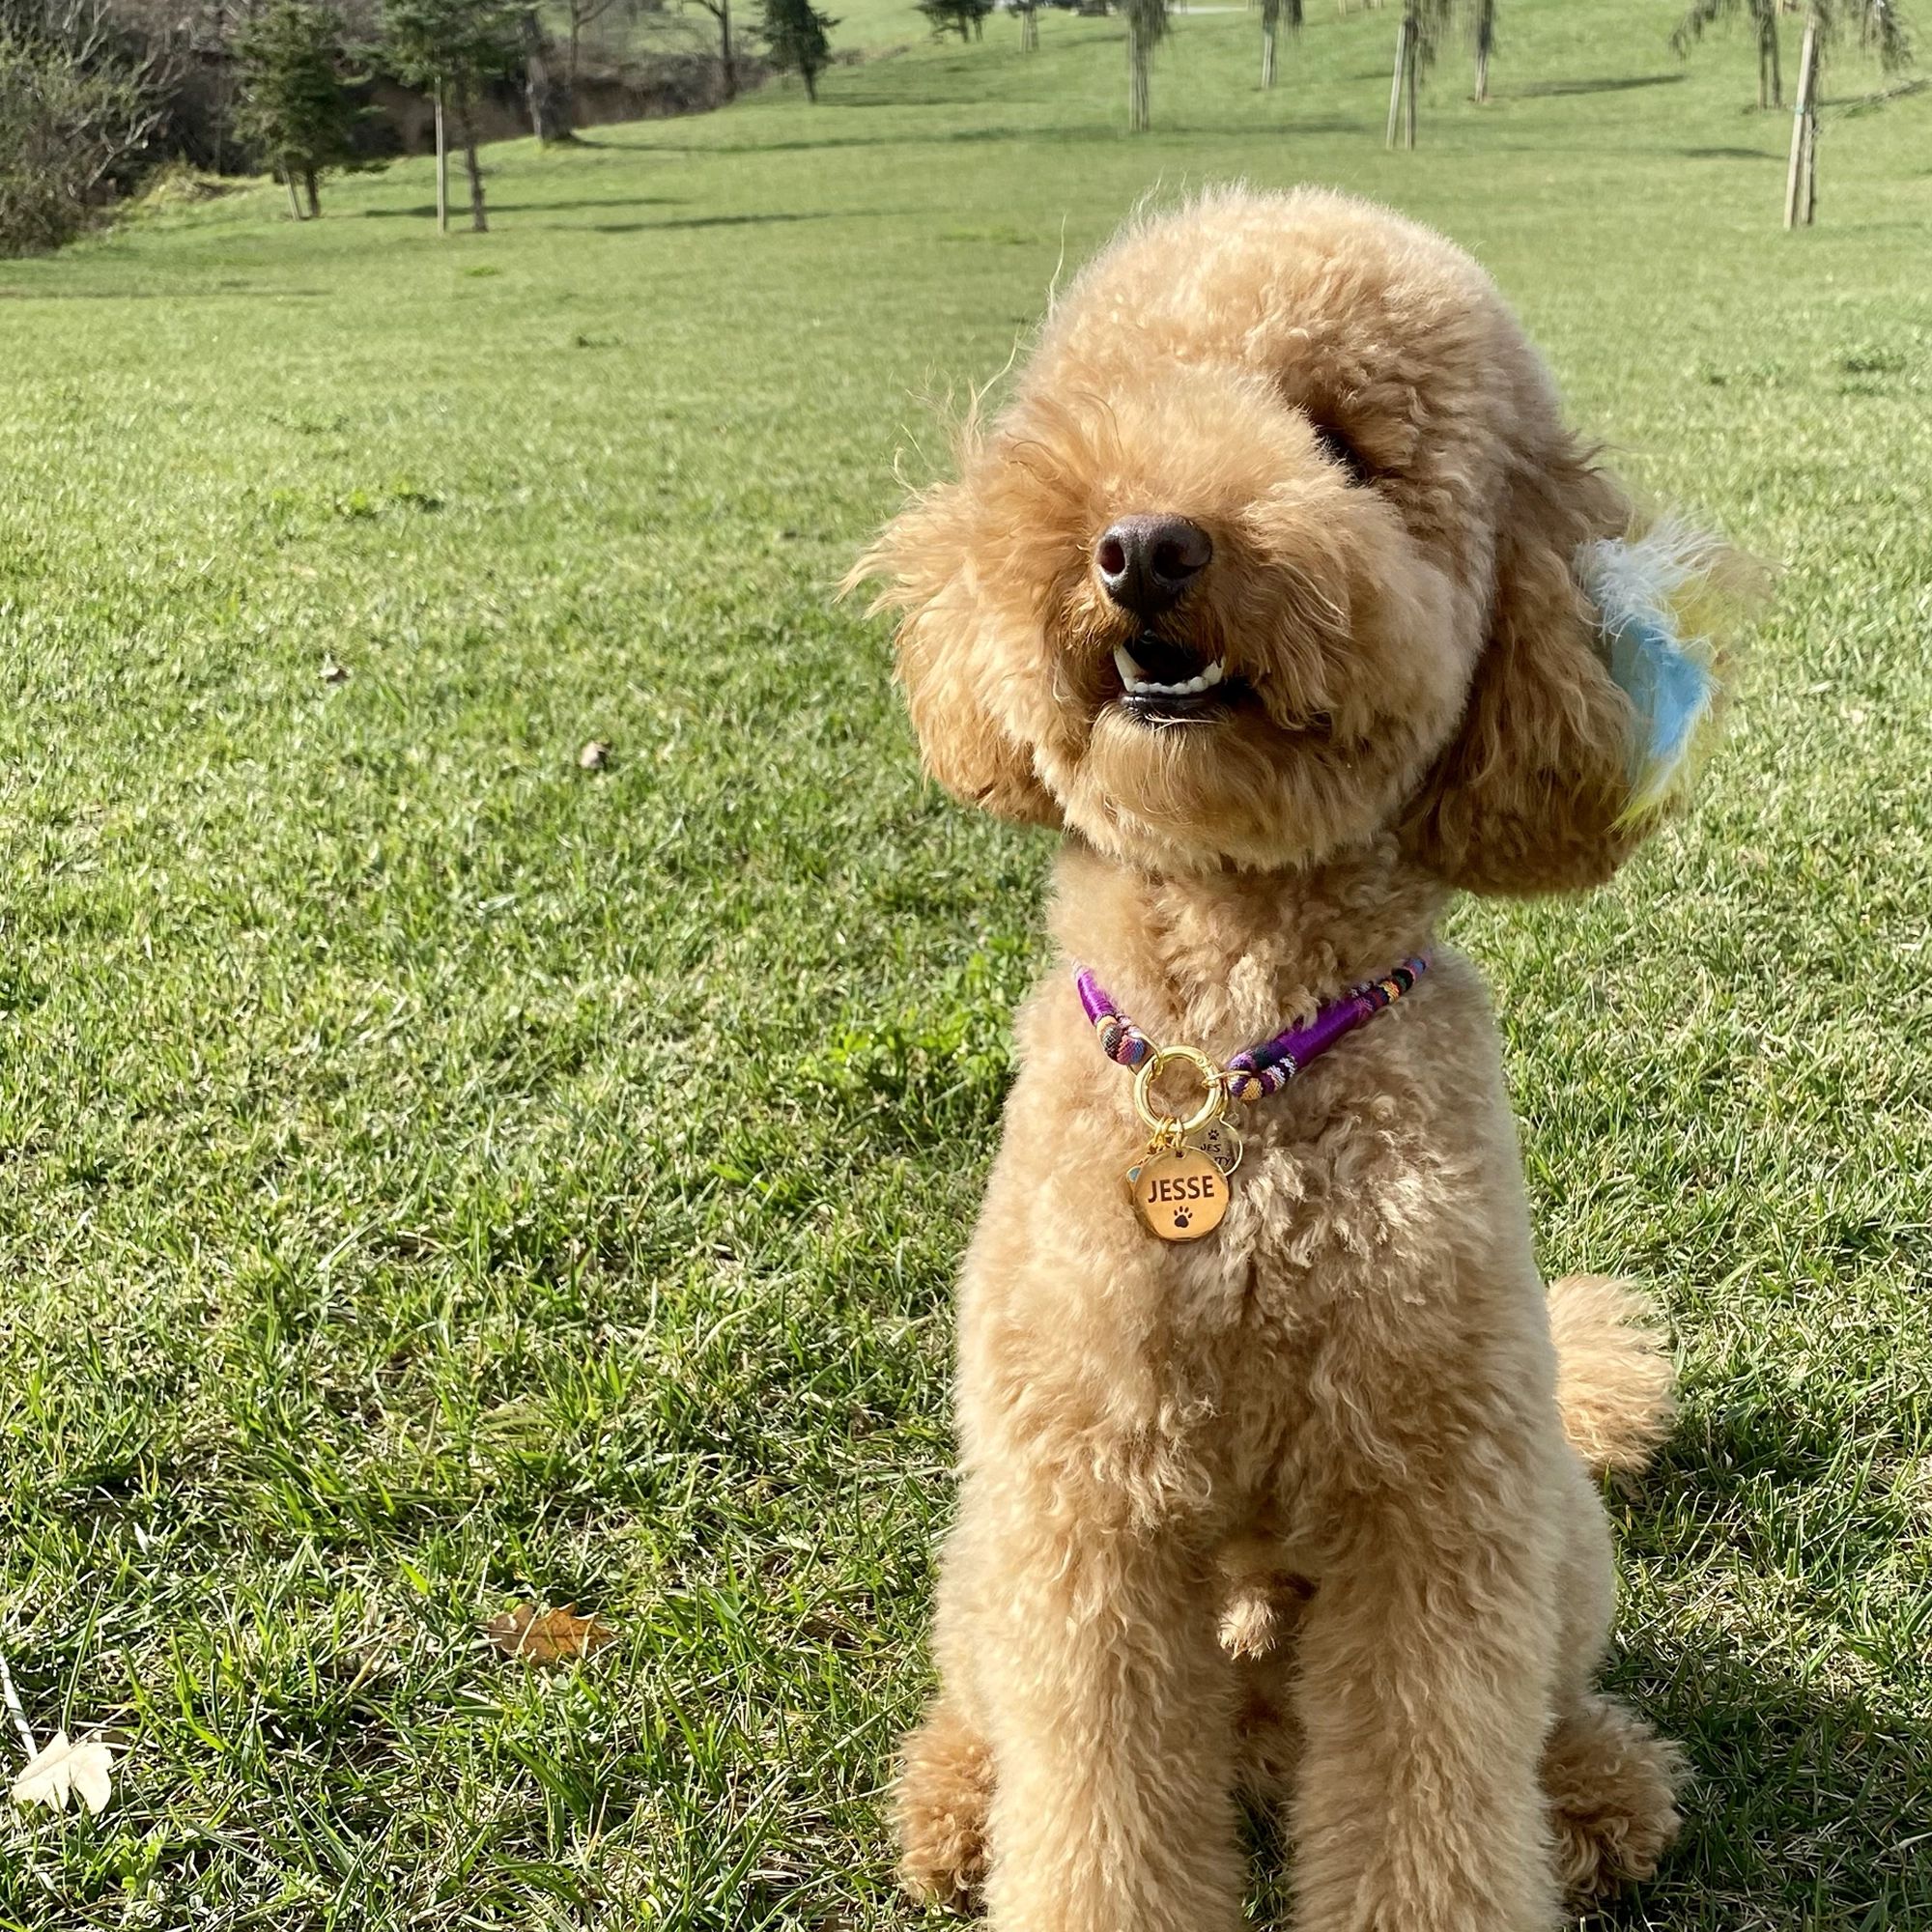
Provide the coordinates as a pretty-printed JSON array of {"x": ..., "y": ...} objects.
[{"x": 1265, "y": 1068}]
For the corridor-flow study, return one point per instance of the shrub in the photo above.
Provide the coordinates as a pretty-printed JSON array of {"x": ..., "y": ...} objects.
[{"x": 73, "y": 121}]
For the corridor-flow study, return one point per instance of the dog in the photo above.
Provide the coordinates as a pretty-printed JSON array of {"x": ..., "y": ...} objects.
[{"x": 1279, "y": 586}]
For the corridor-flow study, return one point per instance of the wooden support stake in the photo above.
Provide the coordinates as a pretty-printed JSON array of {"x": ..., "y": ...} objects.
[
  {"x": 1395, "y": 87},
  {"x": 1798, "y": 194}
]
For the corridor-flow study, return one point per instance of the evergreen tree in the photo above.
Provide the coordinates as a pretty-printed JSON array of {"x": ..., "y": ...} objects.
[
  {"x": 294, "y": 109},
  {"x": 797, "y": 36},
  {"x": 965, "y": 17},
  {"x": 456, "y": 46},
  {"x": 1146, "y": 27}
]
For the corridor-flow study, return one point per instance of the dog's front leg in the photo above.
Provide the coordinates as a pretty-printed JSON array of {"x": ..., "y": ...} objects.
[
  {"x": 1107, "y": 1704},
  {"x": 1426, "y": 1661}
]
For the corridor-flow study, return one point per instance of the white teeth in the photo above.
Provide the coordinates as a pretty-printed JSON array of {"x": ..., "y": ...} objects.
[{"x": 1136, "y": 681}]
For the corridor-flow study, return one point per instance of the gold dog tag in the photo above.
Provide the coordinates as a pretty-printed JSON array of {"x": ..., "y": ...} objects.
[{"x": 1180, "y": 1194}]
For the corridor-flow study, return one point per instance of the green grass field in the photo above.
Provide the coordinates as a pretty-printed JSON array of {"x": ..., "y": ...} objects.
[{"x": 433, "y": 1176}]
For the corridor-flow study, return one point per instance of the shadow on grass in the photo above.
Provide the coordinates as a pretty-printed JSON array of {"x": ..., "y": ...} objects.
[
  {"x": 1802, "y": 1809},
  {"x": 215, "y": 293},
  {"x": 1108, "y": 131},
  {"x": 1616, "y": 84},
  {"x": 1808, "y": 1804},
  {"x": 733, "y": 220},
  {"x": 428, "y": 212},
  {"x": 1729, "y": 155}
]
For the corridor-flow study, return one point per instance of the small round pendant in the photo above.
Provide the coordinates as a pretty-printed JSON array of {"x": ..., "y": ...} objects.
[
  {"x": 1180, "y": 1194},
  {"x": 1220, "y": 1142}
]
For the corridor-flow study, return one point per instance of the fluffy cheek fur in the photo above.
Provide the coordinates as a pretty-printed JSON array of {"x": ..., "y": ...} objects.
[{"x": 1354, "y": 642}]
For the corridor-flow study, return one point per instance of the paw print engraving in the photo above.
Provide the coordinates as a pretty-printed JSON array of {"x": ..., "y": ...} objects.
[{"x": 1181, "y": 1217}]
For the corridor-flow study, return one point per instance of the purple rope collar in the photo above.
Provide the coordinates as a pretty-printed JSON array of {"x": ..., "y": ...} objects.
[{"x": 1265, "y": 1068}]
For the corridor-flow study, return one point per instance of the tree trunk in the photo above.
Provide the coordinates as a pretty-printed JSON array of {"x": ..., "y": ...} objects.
[
  {"x": 1486, "y": 39},
  {"x": 295, "y": 205},
  {"x": 1414, "y": 82},
  {"x": 1800, "y": 181},
  {"x": 1137, "y": 77},
  {"x": 545, "y": 94},
  {"x": 1029, "y": 28},
  {"x": 1770, "y": 80},
  {"x": 810, "y": 84},
  {"x": 466, "y": 109},
  {"x": 1267, "y": 50},
  {"x": 314, "y": 191},
  {"x": 726, "y": 57},
  {"x": 441, "y": 165}
]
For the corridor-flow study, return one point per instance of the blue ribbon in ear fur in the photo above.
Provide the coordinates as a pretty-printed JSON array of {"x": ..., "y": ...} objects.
[{"x": 1655, "y": 598}]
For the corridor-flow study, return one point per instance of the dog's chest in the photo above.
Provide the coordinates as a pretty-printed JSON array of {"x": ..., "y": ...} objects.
[{"x": 1318, "y": 1211}]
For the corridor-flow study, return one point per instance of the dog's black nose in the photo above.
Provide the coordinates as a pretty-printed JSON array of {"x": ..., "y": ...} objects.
[{"x": 1146, "y": 562}]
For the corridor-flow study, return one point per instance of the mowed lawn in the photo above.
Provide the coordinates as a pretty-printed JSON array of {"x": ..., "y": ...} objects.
[{"x": 435, "y": 1177}]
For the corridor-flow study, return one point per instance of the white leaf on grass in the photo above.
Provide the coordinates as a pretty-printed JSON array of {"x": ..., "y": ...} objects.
[{"x": 60, "y": 1768}]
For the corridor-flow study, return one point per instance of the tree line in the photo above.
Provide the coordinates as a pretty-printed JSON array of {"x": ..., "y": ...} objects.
[
  {"x": 91, "y": 90},
  {"x": 1422, "y": 27}
]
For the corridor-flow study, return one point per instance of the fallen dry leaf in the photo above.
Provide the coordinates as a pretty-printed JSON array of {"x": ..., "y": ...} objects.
[
  {"x": 548, "y": 1636},
  {"x": 60, "y": 1768},
  {"x": 594, "y": 755},
  {"x": 333, "y": 673}
]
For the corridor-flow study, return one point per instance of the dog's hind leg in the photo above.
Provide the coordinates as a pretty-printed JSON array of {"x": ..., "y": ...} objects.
[{"x": 1611, "y": 1784}]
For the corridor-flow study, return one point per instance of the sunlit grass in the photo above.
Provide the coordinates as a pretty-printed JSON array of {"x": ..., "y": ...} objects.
[{"x": 434, "y": 1176}]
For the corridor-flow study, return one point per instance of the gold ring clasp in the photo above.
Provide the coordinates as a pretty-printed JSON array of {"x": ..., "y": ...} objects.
[{"x": 1213, "y": 1102}]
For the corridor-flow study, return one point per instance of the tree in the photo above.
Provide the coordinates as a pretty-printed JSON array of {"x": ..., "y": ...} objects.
[
  {"x": 1416, "y": 42},
  {"x": 1270, "y": 29},
  {"x": 294, "y": 109},
  {"x": 1880, "y": 31},
  {"x": 797, "y": 35},
  {"x": 455, "y": 47},
  {"x": 1029, "y": 12},
  {"x": 81, "y": 107},
  {"x": 965, "y": 17},
  {"x": 1482, "y": 31},
  {"x": 1763, "y": 16},
  {"x": 546, "y": 93},
  {"x": 1146, "y": 27},
  {"x": 582, "y": 14},
  {"x": 721, "y": 11}
]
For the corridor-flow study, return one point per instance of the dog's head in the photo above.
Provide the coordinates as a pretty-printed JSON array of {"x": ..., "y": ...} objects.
[{"x": 1275, "y": 546}]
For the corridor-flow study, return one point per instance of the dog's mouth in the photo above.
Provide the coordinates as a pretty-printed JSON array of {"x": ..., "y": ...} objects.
[{"x": 1163, "y": 682}]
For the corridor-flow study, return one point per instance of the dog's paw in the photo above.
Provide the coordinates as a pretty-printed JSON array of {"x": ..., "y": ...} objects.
[
  {"x": 940, "y": 1811},
  {"x": 1612, "y": 1788}
]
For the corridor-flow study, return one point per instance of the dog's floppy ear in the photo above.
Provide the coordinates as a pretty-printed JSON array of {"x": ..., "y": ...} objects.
[
  {"x": 1588, "y": 701},
  {"x": 949, "y": 657}
]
